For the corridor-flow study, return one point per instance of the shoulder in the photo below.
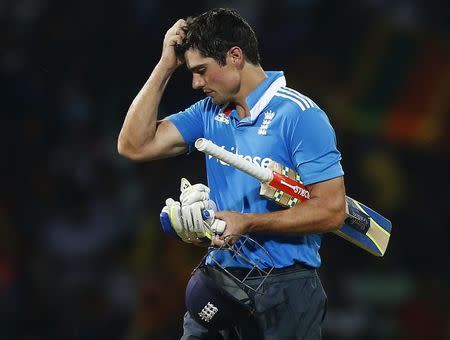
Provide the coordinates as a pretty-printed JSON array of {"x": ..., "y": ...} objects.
[
  {"x": 294, "y": 99},
  {"x": 298, "y": 111},
  {"x": 296, "y": 107}
]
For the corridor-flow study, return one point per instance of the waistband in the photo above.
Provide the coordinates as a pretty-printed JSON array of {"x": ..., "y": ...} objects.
[{"x": 241, "y": 273}]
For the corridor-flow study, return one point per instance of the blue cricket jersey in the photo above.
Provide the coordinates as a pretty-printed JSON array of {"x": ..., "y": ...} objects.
[{"x": 284, "y": 126}]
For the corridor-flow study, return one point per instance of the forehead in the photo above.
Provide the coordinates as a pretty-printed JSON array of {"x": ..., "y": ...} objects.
[{"x": 194, "y": 58}]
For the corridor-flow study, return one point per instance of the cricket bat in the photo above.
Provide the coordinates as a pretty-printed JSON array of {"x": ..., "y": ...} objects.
[{"x": 363, "y": 226}]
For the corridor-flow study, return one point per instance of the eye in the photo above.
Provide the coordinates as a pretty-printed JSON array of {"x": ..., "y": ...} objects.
[{"x": 201, "y": 71}]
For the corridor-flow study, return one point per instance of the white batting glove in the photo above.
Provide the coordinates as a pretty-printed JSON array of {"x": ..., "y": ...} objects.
[
  {"x": 193, "y": 193},
  {"x": 174, "y": 224},
  {"x": 194, "y": 200},
  {"x": 193, "y": 218}
]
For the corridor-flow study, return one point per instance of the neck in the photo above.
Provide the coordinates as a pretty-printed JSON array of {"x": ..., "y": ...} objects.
[{"x": 252, "y": 76}]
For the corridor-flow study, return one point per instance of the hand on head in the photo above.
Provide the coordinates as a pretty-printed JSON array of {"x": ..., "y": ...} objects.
[{"x": 174, "y": 36}]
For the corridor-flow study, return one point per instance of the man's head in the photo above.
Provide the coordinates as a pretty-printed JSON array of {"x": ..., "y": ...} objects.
[
  {"x": 217, "y": 46},
  {"x": 214, "y": 32}
]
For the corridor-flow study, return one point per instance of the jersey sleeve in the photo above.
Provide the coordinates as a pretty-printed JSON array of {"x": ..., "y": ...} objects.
[
  {"x": 313, "y": 144},
  {"x": 190, "y": 123}
]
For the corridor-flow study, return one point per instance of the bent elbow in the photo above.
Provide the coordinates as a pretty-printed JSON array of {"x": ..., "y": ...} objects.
[
  {"x": 337, "y": 220},
  {"x": 121, "y": 150},
  {"x": 124, "y": 150},
  {"x": 336, "y": 217}
]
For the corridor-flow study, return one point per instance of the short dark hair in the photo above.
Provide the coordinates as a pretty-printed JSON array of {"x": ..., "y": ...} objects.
[{"x": 214, "y": 32}]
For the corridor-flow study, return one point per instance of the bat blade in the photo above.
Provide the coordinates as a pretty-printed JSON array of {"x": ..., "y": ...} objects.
[{"x": 365, "y": 227}]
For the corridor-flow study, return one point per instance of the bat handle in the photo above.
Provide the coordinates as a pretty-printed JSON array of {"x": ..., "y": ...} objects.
[
  {"x": 208, "y": 214},
  {"x": 217, "y": 226},
  {"x": 208, "y": 147}
]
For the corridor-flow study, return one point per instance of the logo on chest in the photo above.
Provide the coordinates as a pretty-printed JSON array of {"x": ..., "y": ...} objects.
[
  {"x": 222, "y": 118},
  {"x": 268, "y": 116}
]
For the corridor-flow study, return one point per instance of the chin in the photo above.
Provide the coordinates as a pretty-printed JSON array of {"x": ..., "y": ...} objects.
[{"x": 219, "y": 101}]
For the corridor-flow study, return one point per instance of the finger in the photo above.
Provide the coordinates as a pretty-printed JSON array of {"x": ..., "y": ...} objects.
[
  {"x": 170, "y": 202},
  {"x": 181, "y": 22},
  {"x": 199, "y": 195},
  {"x": 200, "y": 227},
  {"x": 176, "y": 26},
  {"x": 195, "y": 187},
  {"x": 191, "y": 196},
  {"x": 195, "y": 197},
  {"x": 197, "y": 218},
  {"x": 180, "y": 32},
  {"x": 220, "y": 214},
  {"x": 187, "y": 218},
  {"x": 217, "y": 242},
  {"x": 175, "y": 40},
  {"x": 175, "y": 220}
]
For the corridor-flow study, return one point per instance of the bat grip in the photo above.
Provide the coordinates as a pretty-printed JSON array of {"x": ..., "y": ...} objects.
[
  {"x": 216, "y": 226},
  {"x": 263, "y": 175},
  {"x": 208, "y": 214}
]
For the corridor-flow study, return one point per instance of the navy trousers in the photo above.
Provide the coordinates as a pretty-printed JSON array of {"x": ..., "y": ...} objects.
[{"x": 292, "y": 306}]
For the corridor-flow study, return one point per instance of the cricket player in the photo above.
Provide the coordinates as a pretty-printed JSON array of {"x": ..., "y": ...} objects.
[{"x": 253, "y": 113}]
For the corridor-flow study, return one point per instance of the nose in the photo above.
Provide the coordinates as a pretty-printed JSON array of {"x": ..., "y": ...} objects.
[{"x": 197, "y": 82}]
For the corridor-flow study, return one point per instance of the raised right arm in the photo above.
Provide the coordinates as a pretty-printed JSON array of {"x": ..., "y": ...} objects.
[{"x": 142, "y": 136}]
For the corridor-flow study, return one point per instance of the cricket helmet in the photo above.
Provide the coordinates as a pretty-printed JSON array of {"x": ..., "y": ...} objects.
[{"x": 215, "y": 297}]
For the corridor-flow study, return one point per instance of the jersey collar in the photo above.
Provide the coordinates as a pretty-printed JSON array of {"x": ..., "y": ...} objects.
[
  {"x": 258, "y": 99},
  {"x": 263, "y": 94}
]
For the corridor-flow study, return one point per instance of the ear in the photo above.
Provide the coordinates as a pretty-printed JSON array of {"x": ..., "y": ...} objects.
[{"x": 235, "y": 56}]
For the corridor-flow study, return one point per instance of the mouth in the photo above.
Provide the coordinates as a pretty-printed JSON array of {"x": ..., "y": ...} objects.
[{"x": 208, "y": 93}]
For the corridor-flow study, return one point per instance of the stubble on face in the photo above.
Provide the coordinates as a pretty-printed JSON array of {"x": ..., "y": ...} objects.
[{"x": 220, "y": 82}]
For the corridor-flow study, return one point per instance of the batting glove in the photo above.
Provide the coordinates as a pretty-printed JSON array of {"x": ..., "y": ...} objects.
[
  {"x": 193, "y": 219},
  {"x": 174, "y": 224},
  {"x": 194, "y": 200},
  {"x": 194, "y": 193}
]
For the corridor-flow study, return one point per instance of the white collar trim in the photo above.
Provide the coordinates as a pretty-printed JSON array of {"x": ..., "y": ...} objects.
[{"x": 267, "y": 97}]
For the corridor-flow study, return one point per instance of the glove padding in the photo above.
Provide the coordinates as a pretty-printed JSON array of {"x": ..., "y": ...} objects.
[
  {"x": 193, "y": 193},
  {"x": 177, "y": 226},
  {"x": 186, "y": 221},
  {"x": 194, "y": 200}
]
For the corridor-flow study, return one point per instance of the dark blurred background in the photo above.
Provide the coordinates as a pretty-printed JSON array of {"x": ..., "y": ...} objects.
[{"x": 82, "y": 255}]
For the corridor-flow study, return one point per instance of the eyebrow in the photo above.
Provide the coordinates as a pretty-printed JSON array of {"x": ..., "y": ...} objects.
[{"x": 196, "y": 67}]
